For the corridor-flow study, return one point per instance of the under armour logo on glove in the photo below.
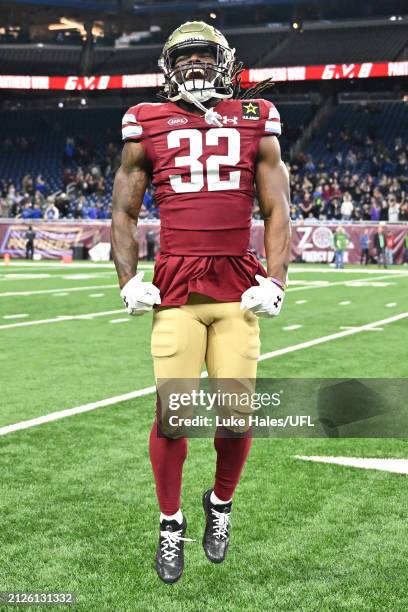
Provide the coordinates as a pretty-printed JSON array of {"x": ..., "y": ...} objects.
[
  {"x": 265, "y": 300},
  {"x": 139, "y": 297}
]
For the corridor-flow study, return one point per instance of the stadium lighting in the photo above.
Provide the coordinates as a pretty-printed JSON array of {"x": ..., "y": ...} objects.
[
  {"x": 213, "y": 15},
  {"x": 83, "y": 101},
  {"x": 393, "y": 18},
  {"x": 295, "y": 25},
  {"x": 70, "y": 24},
  {"x": 60, "y": 105}
]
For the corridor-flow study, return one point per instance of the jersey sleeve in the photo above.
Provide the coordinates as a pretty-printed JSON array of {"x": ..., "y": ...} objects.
[
  {"x": 132, "y": 128},
  {"x": 271, "y": 123}
]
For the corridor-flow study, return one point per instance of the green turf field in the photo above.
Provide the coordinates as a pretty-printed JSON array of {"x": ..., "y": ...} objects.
[{"x": 77, "y": 498}]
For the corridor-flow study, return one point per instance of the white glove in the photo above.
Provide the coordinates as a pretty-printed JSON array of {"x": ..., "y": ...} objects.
[
  {"x": 265, "y": 300},
  {"x": 139, "y": 297}
]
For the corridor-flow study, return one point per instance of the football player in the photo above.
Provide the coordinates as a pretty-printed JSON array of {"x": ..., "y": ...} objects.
[{"x": 204, "y": 148}]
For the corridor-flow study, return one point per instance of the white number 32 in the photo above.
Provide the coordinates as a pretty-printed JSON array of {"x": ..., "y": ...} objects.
[{"x": 213, "y": 162}]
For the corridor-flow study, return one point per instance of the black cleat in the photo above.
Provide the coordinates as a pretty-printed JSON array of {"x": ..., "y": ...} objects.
[
  {"x": 170, "y": 551},
  {"x": 216, "y": 535}
]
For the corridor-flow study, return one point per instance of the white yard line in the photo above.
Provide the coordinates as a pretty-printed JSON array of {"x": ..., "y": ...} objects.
[
  {"x": 301, "y": 302},
  {"x": 391, "y": 304},
  {"x": 372, "y": 329},
  {"x": 335, "y": 284},
  {"x": 57, "y": 263},
  {"x": 291, "y": 327},
  {"x": 397, "y": 466},
  {"x": 305, "y": 283},
  {"x": 4, "y": 278},
  {"x": 123, "y": 320},
  {"x": 345, "y": 271},
  {"x": 63, "y": 318},
  {"x": 15, "y": 263},
  {"x": 330, "y": 337},
  {"x": 16, "y": 316},
  {"x": 146, "y": 265},
  {"x": 344, "y": 303},
  {"x": 70, "y": 289},
  {"x": 66, "y": 290},
  {"x": 54, "y": 416},
  {"x": 17, "y": 271},
  {"x": 367, "y": 283}
]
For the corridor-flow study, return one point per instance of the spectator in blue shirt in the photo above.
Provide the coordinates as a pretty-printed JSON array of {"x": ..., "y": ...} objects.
[
  {"x": 104, "y": 213},
  {"x": 92, "y": 211},
  {"x": 36, "y": 212},
  {"x": 27, "y": 211},
  {"x": 40, "y": 184},
  {"x": 148, "y": 199}
]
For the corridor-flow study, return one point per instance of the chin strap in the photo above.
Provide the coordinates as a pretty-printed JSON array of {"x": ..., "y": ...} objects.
[{"x": 210, "y": 115}]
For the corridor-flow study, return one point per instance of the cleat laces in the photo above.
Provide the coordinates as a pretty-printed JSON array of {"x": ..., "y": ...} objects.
[
  {"x": 169, "y": 545},
  {"x": 221, "y": 522}
]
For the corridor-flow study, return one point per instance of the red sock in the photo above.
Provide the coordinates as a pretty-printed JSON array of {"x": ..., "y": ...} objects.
[
  {"x": 232, "y": 452},
  {"x": 167, "y": 457}
]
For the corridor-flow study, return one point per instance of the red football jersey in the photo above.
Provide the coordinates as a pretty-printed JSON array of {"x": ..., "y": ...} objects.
[{"x": 204, "y": 181}]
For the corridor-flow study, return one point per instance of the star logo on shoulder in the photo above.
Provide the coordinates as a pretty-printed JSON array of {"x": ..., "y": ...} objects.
[{"x": 250, "y": 110}]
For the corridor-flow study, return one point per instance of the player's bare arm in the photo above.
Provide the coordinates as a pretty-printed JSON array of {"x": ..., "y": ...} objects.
[
  {"x": 272, "y": 183},
  {"x": 129, "y": 187}
]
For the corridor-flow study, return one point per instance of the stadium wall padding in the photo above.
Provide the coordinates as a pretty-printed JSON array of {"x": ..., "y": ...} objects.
[{"x": 310, "y": 242}]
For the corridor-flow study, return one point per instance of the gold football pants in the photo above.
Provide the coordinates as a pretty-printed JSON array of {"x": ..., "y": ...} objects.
[{"x": 203, "y": 331}]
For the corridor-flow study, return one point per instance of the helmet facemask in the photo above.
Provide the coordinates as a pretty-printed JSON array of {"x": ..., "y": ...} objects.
[{"x": 198, "y": 80}]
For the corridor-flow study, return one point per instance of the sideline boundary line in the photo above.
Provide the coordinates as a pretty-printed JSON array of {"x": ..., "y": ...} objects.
[{"x": 55, "y": 416}]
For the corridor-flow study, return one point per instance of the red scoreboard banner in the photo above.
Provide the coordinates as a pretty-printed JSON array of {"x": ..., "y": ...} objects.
[{"x": 249, "y": 77}]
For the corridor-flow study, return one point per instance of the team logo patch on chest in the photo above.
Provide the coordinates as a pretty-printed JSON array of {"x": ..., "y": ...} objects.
[
  {"x": 177, "y": 121},
  {"x": 250, "y": 110}
]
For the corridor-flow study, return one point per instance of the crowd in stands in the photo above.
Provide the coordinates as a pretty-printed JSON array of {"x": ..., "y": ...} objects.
[
  {"x": 362, "y": 181},
  {"x": 33, "y": 201},
  {"x": 365, "y": 181},
  {"x": 86, "y": 184}
]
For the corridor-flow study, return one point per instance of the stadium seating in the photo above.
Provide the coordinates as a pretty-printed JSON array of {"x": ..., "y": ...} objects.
[
  {"x": 358, "y": 44},
  {"x": 51, "y": 60},
  {"x": 251, "y": 48},
  {"x": 351, "y": 125},
  {"x": 50, "y": 132},
  {"x": 294, "y": 118},
  {"x": 140, "y": 58},
  {"x": 384, "y": 121}
]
